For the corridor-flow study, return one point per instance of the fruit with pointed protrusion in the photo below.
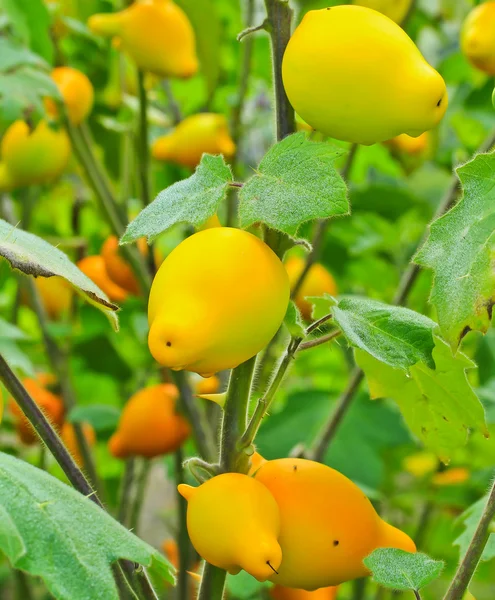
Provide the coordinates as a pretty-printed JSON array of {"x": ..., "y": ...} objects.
[
  {"x": 202, "y": 133},
  {"x": 413, "y": 146},
  {"x": 117, "y": 267},
  {"x": 32, "y": 156},
  {"x": 51, "y": 405},
  {"x": 150, "y": 425},
  {"x": 478, "y": 39},
  {"x": 233, "y": 523},
  {"x": 318, "y": 281},
  {"x": 69, "y": 438},
  {"x": 156, "y": 34},
  {"x": 328, "y": 525},
  {"x": 76, "y": 91},
  {"x": 397, "y": 10},
  {"x": 280, "y": 592},
  {"x": 217, "y": 300},
  {"x": 355, "y": 75},
  {"x": 94, "y": 267}
]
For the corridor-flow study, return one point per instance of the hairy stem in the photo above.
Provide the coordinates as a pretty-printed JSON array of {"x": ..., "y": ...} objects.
[
  {"x": 139, "y": 494},
  {"x": 183, "y": 544},
  {"x": 142, "y": 141},
  {"x": 125, "y": 491},
  {"x": 469, "y": 563},
  {"x": 212, "y": 583}
]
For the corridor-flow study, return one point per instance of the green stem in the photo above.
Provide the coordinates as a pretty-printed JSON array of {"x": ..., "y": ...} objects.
[
  {"x": 141, "y": 484},
  {"x": 143, "y": 150},
  {"x": 81, "y": 145},
  {"x": 173, "y": 105},
  {"x": 212, "y": 583},
  {"x": 469, "y": 563},
  {"x": 23, "y": 589},
  {"x": 359, "y": 589},
  {"x": 321, "y": 340},
  {"x": 183, "y": 544},
  {"x": 235, "y": 418},
  {"x": 125, "y": 491}
]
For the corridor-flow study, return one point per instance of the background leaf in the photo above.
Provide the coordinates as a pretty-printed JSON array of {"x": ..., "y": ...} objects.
[
  {"x": 401, "y": 570},
  {"x": 438, "y": 405},
  {"x": 469, "y": 520},
  {"x": 31, "y": 22},
  {"x": 58, "y": 534},
  {"x": 296, "y": 181},
  {"x": 460, "y": 251},
  {"x": 193, "y": 200},
  {"x": 33, "y": 256}
]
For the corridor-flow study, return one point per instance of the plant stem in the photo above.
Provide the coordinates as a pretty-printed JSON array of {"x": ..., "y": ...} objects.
[
  {"x": 183, "y": 543},
  {"x": 125, "y": 491},
  {"x": 23, "y": 589},
  {"x": 417, "y": 595},
  {"x": 140, "y": 491},
  {"x": 46, "y": 432},
  {"x": 80, "y": 140},
  {"x": 279, "y": 17},
  {"x": 234, "y": 420},
  {"x": 212, "y": 583},
  {"x": 173, "y": 105},
  {"x": 359, "y": 589},
  {"x": 143, "y": 151},
  {"x": 469, "y": 563},
  {"x": 203, "y": 433},
  {"x": 319, "y": 341}
]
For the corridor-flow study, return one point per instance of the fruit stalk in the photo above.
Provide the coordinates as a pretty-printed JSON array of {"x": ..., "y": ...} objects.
[
  {"x": 142, "y": 141},
  {"x": 468, "y": 564}
]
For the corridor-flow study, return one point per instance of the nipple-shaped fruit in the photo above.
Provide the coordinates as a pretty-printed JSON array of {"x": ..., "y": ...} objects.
[
  {"x": 478, "y": 37},
  {"x": 216, "y": 301},
  {"x": 355, "y": 75},
  {"x": 233, "y": 523}
]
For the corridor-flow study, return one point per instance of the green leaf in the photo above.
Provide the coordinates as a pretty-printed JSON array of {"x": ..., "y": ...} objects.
[
  {"x": 470, "y": 520},
  {"x": 33, "y": 256},
  {"x": 244, "y": 586},
  {"x": 101, "y": 416},
  {"x": 193, "y": 200},
  {"x": 11, "y": 332},
  {"x": 394, "y": 335},
  {"x": 17, "y": 359},
  {"x": 207, "y": 27},
  {"x": 439, "y": 405},
  {"x": 296, "y": 182},
  {"x": 460, "y": 250},
  {"x": 293, "y": 321},
  {"x": 399, "y": 570},
  {"x": 49, "y": 530},
  {"x": 31, "y": 23}
]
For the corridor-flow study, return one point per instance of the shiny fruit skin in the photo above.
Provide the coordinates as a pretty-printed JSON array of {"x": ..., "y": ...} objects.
[
  {"x": 69, "y": 439},
  {"x": 279, "y": 592},
  {"x": 413, "y": 146},
  {"x": 76, "y": 91},
  {"x": 217, "y": 300},
  {"x": 210, "y": 385},
  {"x": 149, "y": 425},
  {"x": 478, "y": 37},
  {"x": 194, "y": 136},
  {"x": 324, "y": 544},
  {"x": 156, "y": 34},
  {"x": 353, "y": 74},
  {"x": 318, "y": 281},
  {"x": 117, "y": 267},
  {"x": 94, "y": 267},
  {"x": 51, "y": 405},
  {"x": 34, "y": 157},
  {"x": 397, "y": 10},
  {"x": 233, "y": 522},
  {"x": 56, "y": 295}
]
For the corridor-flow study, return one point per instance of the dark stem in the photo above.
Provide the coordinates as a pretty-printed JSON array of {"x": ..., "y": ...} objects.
[
  {"x": 143, "y": 159},
  {"x": 183, "y": 544},
  {"x": 139, "y": 494},
  {"x": 212, "y": 583},
  {"x": 125, "y": 491},
  {"x": 417, "y": 594},
  {"x": 23, "y": 589},
  {"x": 469, "y": 563},
  {"x": 173, "y": 105},
  {"x": 359, "y": 589}
]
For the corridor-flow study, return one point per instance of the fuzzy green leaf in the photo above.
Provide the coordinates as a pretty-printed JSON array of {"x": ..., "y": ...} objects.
[
  {"x": 244, "y": 586},
  {"x": 438, "y": 405},
  {"x": 49, "y": 530},
  {"x": 399, "y": 570},
  {"x": 295, "y": 182},
  {"x": 293, "y": 321},
  {"x": 33, "y": 256},
  {"x": 102, "y": 417},
  {"x": 30, "y": 21},
  {"x": 193, "y": 200},
  {"x": 460, "y": 250},
  {"x": 394, "y": 335},
  {"x": 470, "y": 519}
]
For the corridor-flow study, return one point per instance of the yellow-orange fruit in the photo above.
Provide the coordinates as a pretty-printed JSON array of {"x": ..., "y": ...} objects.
[
  {"x": 94, "y": 267},
  {"x": 279, "y": 592},
  {"x": 478, "y": 37},
  {"x": 317, "y": 282},
  {"x": 76, "y": 91},
  {"x": 452, "y": 476},
  {"x": 56, "y": 295},
  {"x": 68, "y": 436},
  {"x": 413, "y": 146},
  {"x": 210, "y": 385},
  {"x": 117, "y": 267}
]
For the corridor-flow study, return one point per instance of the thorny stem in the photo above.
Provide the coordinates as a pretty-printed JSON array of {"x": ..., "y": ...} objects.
[
  {"x": 142, "y": 141},
  {"x": 469, "y": 563},
  {"x": 183, "y": 544}
]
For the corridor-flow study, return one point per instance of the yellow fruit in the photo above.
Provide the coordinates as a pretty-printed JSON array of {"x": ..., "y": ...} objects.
[
  {"x": 33, "y": 156},
  {"x": 478, "y": 37},
  {"x": 94, "y": 267},
  {"x": 217, "y": 300},
  {"x": 318, "y": 281},
  {"x": 149, "y": 425},
  {"x": 77, "y": 93},
  {"x": 452, "y": 476},
  {"x": 328, "y": 526},
  {"x": 211, "y": 222},
  {"x": 56, "y": 295},
  {"x": 405, "y": 144},
  {"x": 397, "y": 10},
  {"x": 194, "y": 136},
  {"x": 233, "y": 523},
  {"x": 156, "y": 34},
  {"x": 68, "y": 436},
  {"x": 353, "y": 74},
  {"x": 117, "y": 267},
  {"x": 284, "y": 593},
  {"x": 420, "y": 463},
  {"x": 211, "y": 385}
]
